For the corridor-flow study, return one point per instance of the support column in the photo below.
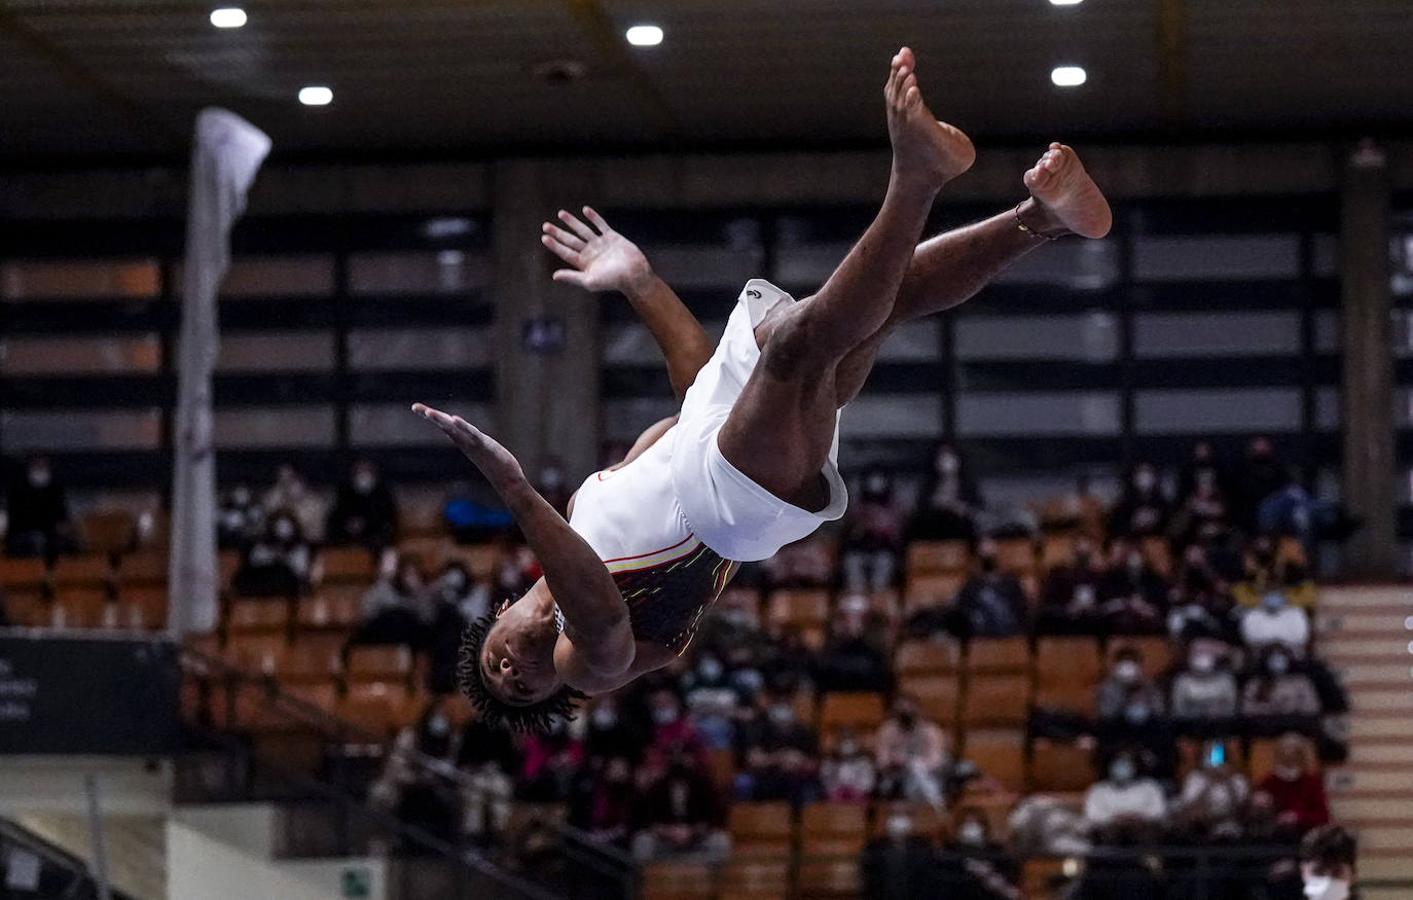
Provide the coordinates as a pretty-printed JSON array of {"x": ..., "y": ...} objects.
[
  {"x": 1365, "y": 311},
  {"x": 547, "y": 401}
]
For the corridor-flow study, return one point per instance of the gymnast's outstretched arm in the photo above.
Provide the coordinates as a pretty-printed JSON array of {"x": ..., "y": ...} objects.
[{"x": 601, "y": 259}]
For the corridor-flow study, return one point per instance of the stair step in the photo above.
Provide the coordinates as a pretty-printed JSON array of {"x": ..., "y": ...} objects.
[
  {"x": 1367, "y": 726},
  {"x": 1372, "y": 809},
  {"x": 1381, "y": 753},
  {"x": 1390, "y": 621},
  {"x": 1349, "y": 598},
  {"x": 1385, "y": 838},
  {"x": 1376, "y": 673},
  {"x": 1380, "y": 700},
  {"x": 1386, "y": 868},
  {"x": 1356, "y": 648},
  {"x": 1353, "y": 780}
]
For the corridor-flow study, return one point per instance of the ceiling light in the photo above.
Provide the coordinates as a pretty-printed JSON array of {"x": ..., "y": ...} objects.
[
  {"x": 316, "y": 95},
  {"x": 228, "y": 17},
  {"x": 644, "y": 35},
  {"x": 1065, "y": 2},
  {"x": 1068, "y": 76}
]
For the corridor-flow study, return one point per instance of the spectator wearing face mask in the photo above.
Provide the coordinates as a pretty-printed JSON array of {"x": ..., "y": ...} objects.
[
  {"x": 37, "y": 509},
  {"x": 672, "y": 731},
  {"x": 549, "y": 763},
  {"x": 1126, "y": 806},
  {"x": 1125, "y": 685},
  {"x": 1078, "y": 510},
  {"x": 1069, "y": 596},
  {"x": 449, "y": 599},
  {"x": 397, "y": 607},
  {"x": 1199, "y": 514},
  {"x": 777, "y": 756},
  {"x": 239, "y": 520},
  {"x": 1133, "y": 596},
  {"x": 291, "y": 494},
  {"x": 1142, "y": 510},
  {"x": 1275, "y": 621},
  {"x": 1276, "y": 690},
  {"x": 1199, "y": 605},
  {"x": 1141, "y": 726},
  {"x": 1206, "y": 691},
  {"x": 978, "y": 867},
  {"x": 1260, "y": 474},
  {"x": 873, "y": 535},
  {"x": 277, "y": 565},
  {"x": 949, "y": 502},
  {"x": 488, "y": 757},
  {"x": 364, "y": 511},
  {"x": 853, "y": 659},
  {"x": 1327, "y": 863},
  {"x": 991, "y": 603},
  {"x": 677, "y": 817},
  {"x": 1264, "y": 573},
  {"x": 1202, "y": 470},
  {"x": 1296, "y": 787},
  {"x": 714, "y": 703},
  {"x": 1213, "y": 797},
  {"x": 912, "y": 756},
  {"x": 847, "y": 774},
  {"x": 603, "y": 800},
  {"x": 899, "y": 865},
  {"x": 610, "y": 733}
]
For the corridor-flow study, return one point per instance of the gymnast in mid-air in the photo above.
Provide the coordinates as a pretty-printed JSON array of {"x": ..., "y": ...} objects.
[{"x": 750, "y": 463}]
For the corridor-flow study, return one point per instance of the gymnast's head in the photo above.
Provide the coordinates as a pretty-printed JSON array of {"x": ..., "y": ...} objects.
[{"x": 506, "y": 666}]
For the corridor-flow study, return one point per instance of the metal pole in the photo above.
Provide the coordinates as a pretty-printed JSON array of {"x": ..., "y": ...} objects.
[{"x": 95, "y": 824}]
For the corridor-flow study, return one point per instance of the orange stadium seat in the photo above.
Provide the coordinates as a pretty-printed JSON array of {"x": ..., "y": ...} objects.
[
  {"x": 1040, "y": 878},
  {"x": 1056, "y": 766},
  {"x": 108, "y": 531},
  {"x": 999, "y": 755},
  {"x": 677, "y": 881},
  {"x": 928, "y": 657},
  {"x": 801, "y": 608},
  {"x": 347, "y": 565},
  {"x": 1056, "y": 550},
  {"x": 28, "y": 608},
  {"x": 926, "y": 822},
  {"x": 81, "y": 607},
  {"x": 1067, "y": 672},
  {"x": 938, "y": 696},
  {"x": 1159, "y": 555},
  {"x": 1016, "y": 555},
  {"x": 998, "y": 655},
  {"x": 265, "y": 616},
  {"x": 379, "y": 707},
  {"x": 996, "y": 700},
  {"x": 430, "y": 550},
  {"x": 379, "y": 663},
  {"x": 826, "y": 877},
  {"x": 937, "y": 557},
  {"x": 744, "y": 877},
  {"x": 259, "y": 651},
  {"x": 859, "y": 710},
  {"x": 331, "y": 607},
  {"x": 936, "y": 589},
  {"x": 142, "y": 607},
  {"x": 481, "y": 559},
  {"x": 761, "y": 829},
  {"x": 22, "y": 574},
  {"x": 833, "y": 829},
  {"x": 89, "y": 570},
  {"x": 228, "y": 561}
]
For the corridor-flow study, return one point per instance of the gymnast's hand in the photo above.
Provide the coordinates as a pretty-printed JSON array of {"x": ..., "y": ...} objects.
[
  {"x": 600, "y": 260},
  {"x": 498, "y": 464}
]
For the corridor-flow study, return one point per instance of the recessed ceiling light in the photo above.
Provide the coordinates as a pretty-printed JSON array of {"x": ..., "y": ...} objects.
[
  {"x": 644, "y": 35},
  {"x": 316, "y": 95},
  {"x": 228, "y": 17},
  {"x": 1065, "y": 2},
  {"x": 1068, "y": 76}
]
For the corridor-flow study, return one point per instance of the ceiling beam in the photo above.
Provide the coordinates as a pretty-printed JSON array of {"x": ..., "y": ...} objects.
[
  {"x": 1172, "y": 61},
  {"x": 85, "y": 79},
  {"x": 603, "y": 31}
]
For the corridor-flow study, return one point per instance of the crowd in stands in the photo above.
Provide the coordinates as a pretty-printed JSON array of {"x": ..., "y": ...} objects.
[{"x": 953, "y": 670}]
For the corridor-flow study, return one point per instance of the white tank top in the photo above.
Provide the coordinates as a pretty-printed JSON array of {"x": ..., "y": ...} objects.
[{"x": 631, "y": 518}]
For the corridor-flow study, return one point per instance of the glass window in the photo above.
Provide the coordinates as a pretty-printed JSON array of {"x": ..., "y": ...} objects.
[
  {"x": 1012, "y": 413},
  {"x": 1218, "y": 258},
  {"x": 1240, "y": 410},
  {"x": 1090, "y": 337},
  {"x": 82, "y": 429},
  {"x": 1327, "y": 409},
  {"x": 893, "y": 416},
  {"x": 418, "y": 272},
  {"x": 419, "y": 348},
  {"x": 916, "y": 341},
  {"x": 279, "y": 276},
  {"x": 1327, "y": 331},
  {"x": 1080, "y": 265},
  {"x": 1324, "y": 256},
  {"x": 81, "y": 355},
  {"x": 808, "y": 263},
  {"x": 1161, "y": 335},
  {"x": 276, "y": 351},
  {"x": 394, "y": 425},
  {"x": 275, "y": 426},
  {"x": 631, "y": 344},
  {"x": 79, "y": 279},
  {"x": 707, "y": 266}
]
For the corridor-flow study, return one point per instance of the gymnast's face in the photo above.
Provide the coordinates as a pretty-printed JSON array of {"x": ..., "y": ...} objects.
[{"x": 517, "y": 657}]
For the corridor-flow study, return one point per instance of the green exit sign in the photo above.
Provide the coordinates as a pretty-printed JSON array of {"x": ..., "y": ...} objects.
[{"x": 357, "y": 882}]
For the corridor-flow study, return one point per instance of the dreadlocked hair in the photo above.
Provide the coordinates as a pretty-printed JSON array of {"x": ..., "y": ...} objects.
[{"x": 496, "y": 713}]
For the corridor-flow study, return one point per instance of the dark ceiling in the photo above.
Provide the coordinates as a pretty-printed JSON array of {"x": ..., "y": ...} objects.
[{"x": 121, "y": 79}]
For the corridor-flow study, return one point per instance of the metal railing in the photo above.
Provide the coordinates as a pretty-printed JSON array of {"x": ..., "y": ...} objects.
[{"x": 60, "y": 874}]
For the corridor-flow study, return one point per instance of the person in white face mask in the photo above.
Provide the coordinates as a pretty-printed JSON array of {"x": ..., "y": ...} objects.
[
  {"x": 1327, "y": 863},
  {"x": 364, "y": 510}
]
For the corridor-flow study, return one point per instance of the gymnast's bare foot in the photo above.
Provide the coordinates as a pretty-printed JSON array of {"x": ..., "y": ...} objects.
[
  {"x": 1065, "y": 200},
  {"x": 924, "y": 149}
]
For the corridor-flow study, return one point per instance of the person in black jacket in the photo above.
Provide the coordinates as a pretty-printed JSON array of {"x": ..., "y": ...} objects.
[
  {"x": 38, "y": 509},
  {"x": 364, "y": 511}
]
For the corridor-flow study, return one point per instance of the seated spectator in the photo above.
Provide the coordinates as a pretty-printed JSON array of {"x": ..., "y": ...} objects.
[
  {"x": 1260, "y": 475},
  {"x": 1069, "y": 596},
  {"x": 37, "y": 509},
  {"x": 1042, "y": 825},
  {"x": 1263, "y": 573},
  {"x": 873, "y": 535},
  {"x": 677, "y": 817},
  {"x": 1275, "y": 621},
  {"x": 1077, "y": 510},
  {"x": 713, "y": 702},
  {"x": 777, "y": 756},
  {"x": 912, "y": 756},
  {"x": 847, "y": 774},
  {"x": 1126, "y": 807},
  {"x": 673, "y": 733},
  {"x": 455, "y": 585},
  {"x": 1275, "y": 689},
  {"x": 786, "y": 663},
  {"x": 1200, "y": 513},
  {"x": 899, "y": 865},
  {"x": 396, "y": 608},
  {"x": 291, "y": 494},
  {"x": 1327, "y": 859},
  {"x": 549, "y": 762},
  {"x": 364, "y": 510},
  {"x": 603, "y": 800},
  {"x": 1142, "y": 510},
  {"x": 985, "y": 871},
  {"x": 488, "y": 756},
  {"x": 239, "y": 520},
  {"x": 1201, "y": 470},
  {"x": 1213, "y": 797},
  {"x": 610, "y": 733},
  {"x": 1142, "y": 728},
  {"x": 1133, "y": 597},
  {"x": 1206, "y": 690},
  {"x": 991, "y": 603},
  {"x": 446, "y": 620},
  {"x": 1199, "y": 606},
  {"x": 949, "y": 502},
  {"x": 852, "y": 660},
  {"x": 1296, "y": 787},
  {"x": 1127, "y": 686},
  {"x": 279, "y": 563}
]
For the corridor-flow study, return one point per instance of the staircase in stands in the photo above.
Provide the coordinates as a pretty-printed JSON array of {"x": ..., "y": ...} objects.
[{"x": 1366, "y": 634}]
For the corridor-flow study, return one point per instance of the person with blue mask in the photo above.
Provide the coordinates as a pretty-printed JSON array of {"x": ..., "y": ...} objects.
[{"x": 1275, "y": 621}]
